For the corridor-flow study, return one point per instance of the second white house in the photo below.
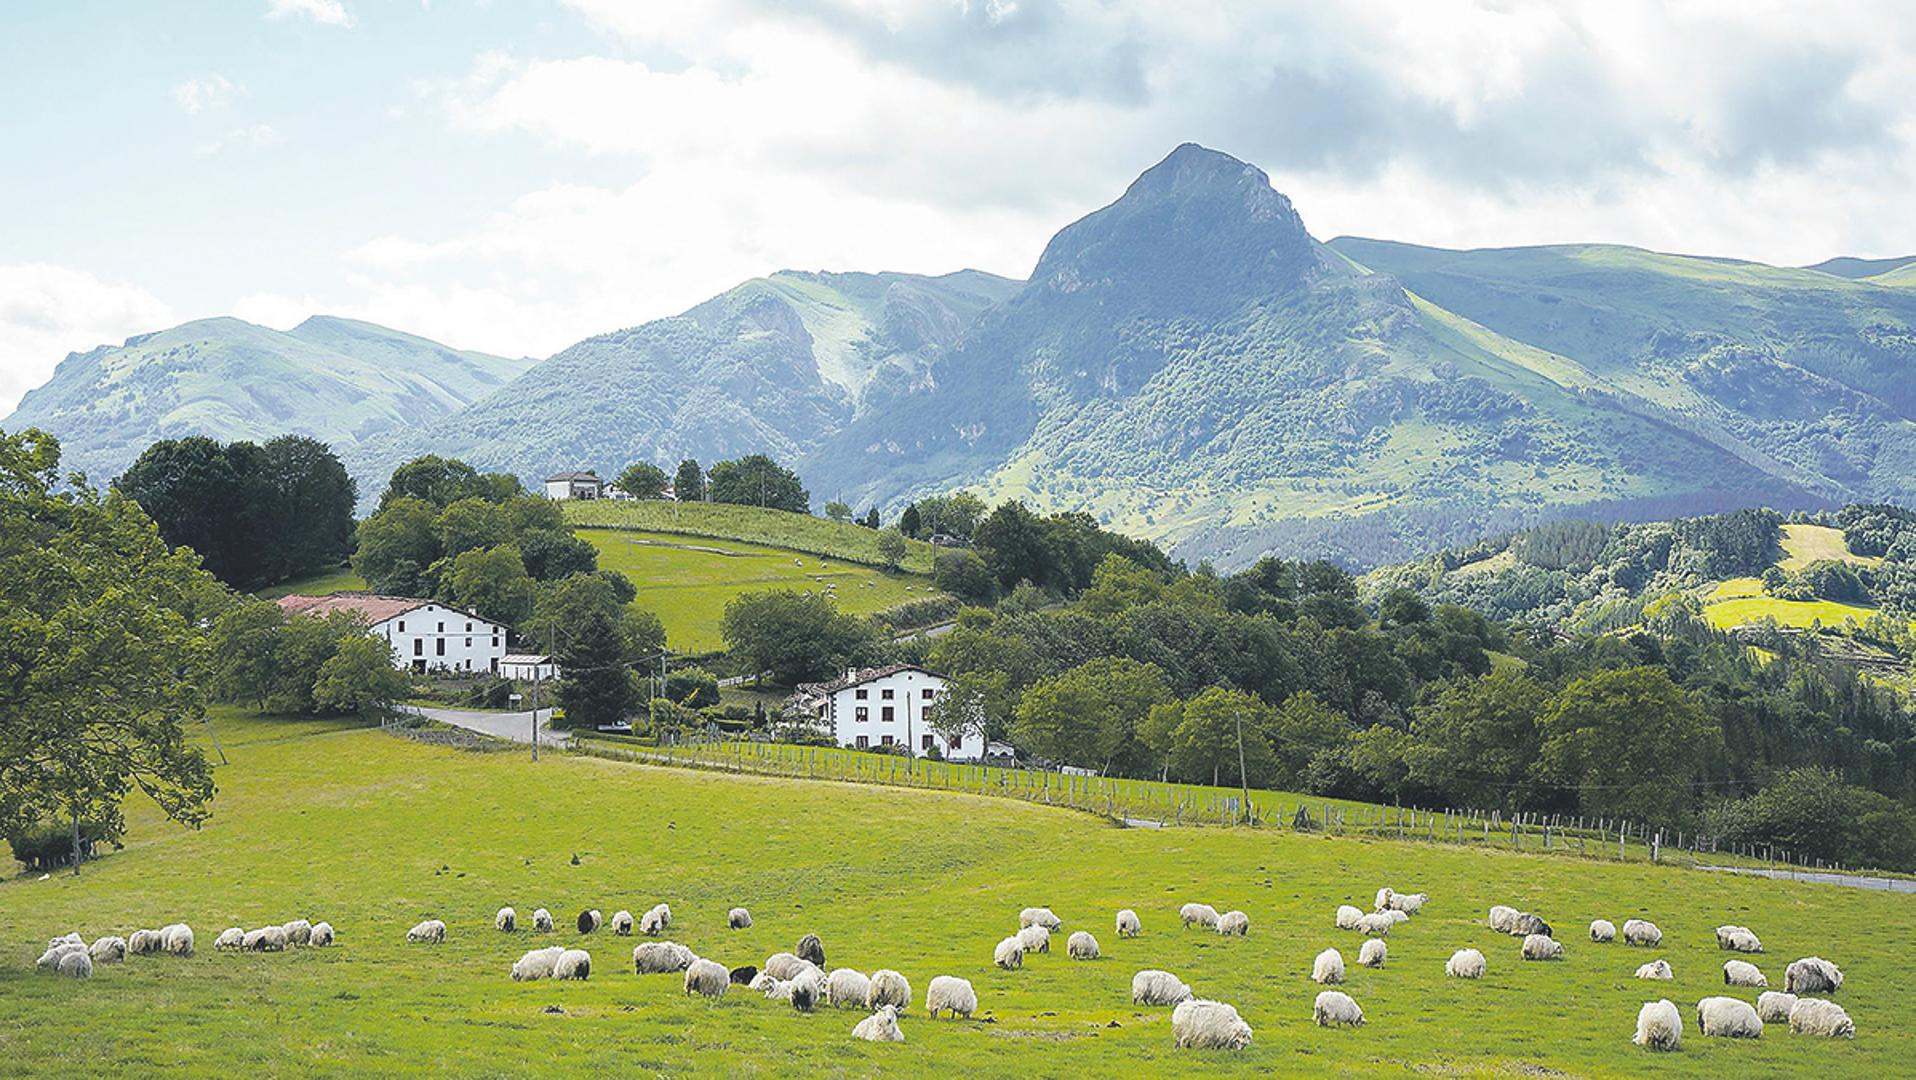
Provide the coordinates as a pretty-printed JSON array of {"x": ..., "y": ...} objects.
[
  {"x": 424, "y": 635},
  {"x": 871, "y": 708}
]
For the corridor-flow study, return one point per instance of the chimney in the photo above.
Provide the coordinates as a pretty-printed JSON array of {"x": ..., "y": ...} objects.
[{"x": 851, "y": 673}]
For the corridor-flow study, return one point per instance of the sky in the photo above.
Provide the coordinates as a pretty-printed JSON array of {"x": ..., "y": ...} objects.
[{"x": 515, "y": 175}]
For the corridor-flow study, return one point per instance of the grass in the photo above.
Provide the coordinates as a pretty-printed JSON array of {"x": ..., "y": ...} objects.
[
  {"x": 337, "y": 580},
  {"x": 687, "y": 582},
  {"x": 1805, "y": 544},
  {"x": 772, "y": 528},
  {"x": 373, "y": 833},
  {"x": 1801, "y": 614}
]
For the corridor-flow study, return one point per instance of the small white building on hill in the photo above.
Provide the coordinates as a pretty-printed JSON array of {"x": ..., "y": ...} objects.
[
  {"x": 529, "y": 667},
  {"x": 574, "y": 485},
  {"x": 425, "y": 635},
  {"x": 872, "y": 708}
]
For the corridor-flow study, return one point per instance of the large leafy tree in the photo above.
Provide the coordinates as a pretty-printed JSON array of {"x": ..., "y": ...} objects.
[
  {"x": 1089, "y": 715},
  {"x": 594, "y": 686},
  {"x": 491, "y": 582},
  {"x": 796, "y": 636},
  {"x": 642, "y": 480},
  {"x": 757, "y": 480},
  {"x": 688, "y": 484},
  {"x": 974, "y": 703},
  {"x": 310, "y": 500},
  {"x": 1630, "y": 743},
  {"x": 1477, "y": 740},
  {"x": 396, "y": 545},
  {"x": 1213, "y": 729},
  {"x": 439, "y": 481},
  {"x": 360, "y": 678},
  {"x": 562, "y": 607}
]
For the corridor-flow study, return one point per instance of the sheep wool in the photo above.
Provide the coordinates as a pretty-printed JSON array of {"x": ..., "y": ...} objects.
[
  {"x": 1642, "y": 933},
  {"x": 786, "y": 966},
  {"x": 1209, "y": 1025},
  {"x": 108, "y": 950},
  {"x": 1039, "y": 916},
  {"x": 804, "y": 994},
  {"x": 707, "y": 978},
  {"x": 738, "y": 919},
  {"x": 1010, "y": 954},
  {"x": 1742, "y": 973},
  {"x": 1409, "y": 903},
  {"x": 763, "y": 983},
  {"x": 1376, "y": 924},
  {"x": 655, "y": 921},
  {"x": 1659, "y": 1026},
  {"x": 811, "y": 949},
  {"x": 1738, "y": 939},
  {"x": 230, "y": 938},
  {"x": 1464, "y": 964},
  {"x": 622, "y": 923},
  {"x": 1334, "y": 1008},
  {"x": 537, "y": 964},
  {"x": 1347, "y": 917},
  {"x": 589, "y": 921},
  {"x": 1199, "y": 915},
  {"x": 950, "y": 994},
  {"x": 56, "y": 953},
  {"x": 1604, "y": 931},
  {"x": 1503, "y": 918},
  {"x": 1128, "y": 925},
  {"x": 1538, "y": 947},
  {"x": 1384, "y": 896},
  {"x": 1151, "y": 987},
  {"x": 298, "y": 932},
  {"x": 1812, "y": 975},
  {"x": 144, "y": 942},
  {"x": 1728, "y": 1018},
  {"x": 1396, "y": 916},
  {"x": 1816, "y": 1016},
  {"x": 1656, "y": 969},
  {"x": 1773, "y": 1006},
  {"x": 430, "y": 932},
  {"x": 889, "y": 988},
  {"x": 1373, "y": 953},
  {"x": 1328, "y": 968},
  {"x": 661, "y": 958},
  {"x": 321, "y": 935},
  {"x": 177, "y": 939},
  {"x": 1035, "y": 939},
  {"x": 75, "y": 963},
  {"x": 1081, "y": 946},
  {"x": 265, "y": 939},
  {"x": 71, "y": 937},
  {"x": 880, "y": 1026},
  {"x": 507, "y": 920},
  {"x": 542, "y": 921},
  {"x": 1234, "y": 924},
  {"x": 846, "y": 988},
  {"x": 1528, "y": 925},
  {"x": 573, "y": 964}
]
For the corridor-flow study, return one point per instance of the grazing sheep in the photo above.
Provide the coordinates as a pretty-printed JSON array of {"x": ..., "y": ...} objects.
[
  {"x": 1409, "y": 903},
  {"x": 1741, "y": 939},
  {"x": 108, "y": 950},
  {"x": 707, "y": 978},
  {"x": 880, "y": 1026},
  {"x": 1328, "y": 968},
  {"x": 1641, "y": 933},
  {"x": 622, "y": 923},
  {"x": 1384, "y": 897},
  {"x": 1604, "y": 931},
  {"x": 1081, "y": 946},
  {"x": 231, "y": 938},
  {"x": 298, "y": 932},
  {"x": 1773, "y": 1006},
  {"x": 1151, "y": 987},
  {"x": 1376, "y": 924},
  {"x": 77, "y": 963},
  {"x": 1659, "y": 1026},
  {"x": 786, "y": 966},
  {"x": 589, "y": 921},
  {"x": 542, "y": 921},
  {"x": 1812, "y": 975},
  {"x": 889, "y": 988},
  {"x": 71, "y": 937},
  {"x": 1464, "y": 964},
  {"x": 177, "y": 939},
  {"x": 1742, "y": 973},
  {"x": 775, "y": 989},
  {"x": 1809, "y": 1016},
  {"x": 744, "y": 976},
  {"x": 1539, "y": 947},
  {"x": 1035, "y": 939},
  {"x": 738, "y": 919},
  {"x": 1728, "y": 1018},
  {"x": 537, "y": 964},
  {"x": 1334, "y": 1008},
  {"x": 1373, "y": 953},
  {"x": 1234, "y": 924},
  {"x": 1347, "y": 917},
  {"x": 661, "y": 958},
  {"x": 265, "y": 939},
  {"x": 573, "y": 964},
  {"x": 57, "y": 953},
  {"x": 1658, "y": 969},
  {"x": 1039, "y": 916},
  {"x": 1395, "y": 916},
  {"x": 1529, "y": 925},
  {"x": 1503, "y": 919},
  {"x": 1128, "y": 925},
  {"x": 1198, "y": 915},
  {"x": 1010, "y": 954},
  {"x": 1209, "y": 1025},
  {"x": 507, "y": 920},
  {"x": 144, "y": 942},
  {"x": 950, "y": 994},
  {"x": 321, "y": 935},
  {"x": 846, "y": 988},
  {"x": 812, "y": 949},
  {"x": 654, "y": 922},
  {"x": 430, "y": 932},
  {"x": 804, "y": 994}
]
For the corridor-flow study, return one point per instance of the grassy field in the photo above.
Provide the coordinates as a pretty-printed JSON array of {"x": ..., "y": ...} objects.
[
  {"x": 374, "y": 833},
  {"x": 339, "y": 580},
  {"x": 687, "y": 582},
  {"x": 1805, "y": 544},
  {"x": 772, "y": 528},
  {"x": 1743, "y": 601}
]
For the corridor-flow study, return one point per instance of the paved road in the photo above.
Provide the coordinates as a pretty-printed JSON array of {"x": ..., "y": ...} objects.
[
  {"x": 1853, "y": 881},
  {"x": 516, "y": 726}
]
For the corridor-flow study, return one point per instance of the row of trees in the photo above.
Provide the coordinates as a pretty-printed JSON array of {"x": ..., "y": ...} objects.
[
  {"x": 302, "y": 663},
  {"x": 752, "y": 480}
]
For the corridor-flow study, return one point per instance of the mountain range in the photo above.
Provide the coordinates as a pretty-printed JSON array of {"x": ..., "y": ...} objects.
[{"x": 1187, "y": 363}]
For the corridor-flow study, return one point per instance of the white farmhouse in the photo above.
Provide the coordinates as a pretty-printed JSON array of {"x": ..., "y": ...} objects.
[
  {"x": 574, "y": 485},
  {"x": 879, "y": 707},
  {"x": 425, "y": 635}
]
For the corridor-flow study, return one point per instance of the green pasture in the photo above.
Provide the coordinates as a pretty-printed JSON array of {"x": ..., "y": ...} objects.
[{"x": 838, "y": 540}]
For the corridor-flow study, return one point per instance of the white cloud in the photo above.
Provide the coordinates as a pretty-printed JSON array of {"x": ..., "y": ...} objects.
[
  {"x": 48, "y": 311},
  {"x": 323, "y": 12},
  {"x": 215, "y": 91},
  {"x": 255, "y": 136}
]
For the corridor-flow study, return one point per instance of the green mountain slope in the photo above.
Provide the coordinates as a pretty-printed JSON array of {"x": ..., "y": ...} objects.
[
  {"x": 1846, "y": 266},
  {"x": 334, "y": 379}
]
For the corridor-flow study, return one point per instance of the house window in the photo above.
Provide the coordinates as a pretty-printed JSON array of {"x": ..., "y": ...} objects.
[
  {"x": 926, "y": 743},
  {"x": 886, "y": 741},
  {"x": 885, "y": 693},
  {"x": 419, "y": 646},
  {"x": 957, "y": 743},
  {"x": 862, "y": 714},
  {"x": 861, "y": 693},
  {"x": 441, "y": 643},
  {"x": 468, "y": 643},
  {"x": 442, "y": 628},
  {"x": 468, "y": 628},
  {"x": 495, "y": 641},
  {"x": 863, "y": 742},
  {"x": 402, "y": 624},
  {"x": 926, "y": 693},
  {"x": 886, "y": 715}
]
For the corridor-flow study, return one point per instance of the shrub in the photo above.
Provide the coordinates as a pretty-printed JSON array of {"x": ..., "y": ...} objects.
[{"x": 46, "y": 845}]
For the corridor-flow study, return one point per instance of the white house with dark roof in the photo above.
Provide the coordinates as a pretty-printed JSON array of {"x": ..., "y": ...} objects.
[
  {"x": 425, "y": 635},
  {"x": 574, "y": 485},
  {"x": 871, "y": 708}
]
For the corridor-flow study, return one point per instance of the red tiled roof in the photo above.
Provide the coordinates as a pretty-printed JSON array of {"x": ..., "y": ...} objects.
[{"x": 376, "y": 609}]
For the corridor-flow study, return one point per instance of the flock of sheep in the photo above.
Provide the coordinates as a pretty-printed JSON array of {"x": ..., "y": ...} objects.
[{"x": 70, "y": 955}]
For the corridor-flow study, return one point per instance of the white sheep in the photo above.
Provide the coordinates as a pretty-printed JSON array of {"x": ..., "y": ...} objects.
[
  {"x": 1373, "y": 953},
  {"x": 321, "y": 935},
  {"x": 1039, "y": 916},
  {"x": 661, "y": 957},
  {"x": 811, "y": 948},
  {"x": 57, "y": 952},
  {"x": 1334, "y": 1008},
  {"x": 507, "y": 920},
  {"x": 1328, "y": 968},
  {"x": 1465, "y": 964},
  {"x": 573, "y": 964},
  {"x": 542, "y": 921},
  {"x": 1209, "y": 1025},
  {"x": 1152, "y": 987},
  {"x": 1128, "y": 925},
  {"x": 1641, "y": 933},
  {"x": 1081, "y": 946},
  {"x": 1384, "y": 896},
  {"x": 589, "y": 921},
  {"x": 177, "y": 939},
  {"x": 430, "y": 932},
  {"x": 738, "y": 919},
  {"x": 1743, "y": 973},
  {"x": 144, "y": 942},
  {"x": 108, "y": 950},
  {"x": 1503, "y": 919},
  {"x": 889, "y": 988},
  {"x": 1659, "y": 1026},
  {"x": 1396, "y": 915},
  {"x": 1376, "y": 924},
  {"x": 1198, "y": 915},
  {"x": 265, "y": 939},
  {"x": 787, "y": 966},
  {"x": 1604, "y": 931},
  {"x": 1728, "y": 1018},
  {"x": 803, "y": 993},
  {"x": 1528, "y": 924},
  {"x": 231, "y": 938},
  {"x": 622, "y": 923},
  {"x": 846, "y": 988},
  {"x": 298, "y": 932},
  {"x": 71, "y": 937},
  {"x": 537, "y": 964},
  {"x": 1816, "y": 1016},
  {"x": 707, "y": 978},
  {"x": 654, "y": 922},
  {"x": 950, "y": 994},
  {"x": 1773, "y": 1006},
  {"x": 1347, "y": 917},
  {"x": 1035, "y": 939},
  {"x": 1738, "y": 939},
  {"x": 770, "y": 987},
  {"x": 1812, "y": 975},
  {"x": 880, "y": 1026},
  {"x": 1234, "y": 924},
  {"x": 1656, "y": 969},
  {"x": 1538, "y": 947},
  {"x": 1409, "y": 903},
  {"x": 1010, "y": 954}
]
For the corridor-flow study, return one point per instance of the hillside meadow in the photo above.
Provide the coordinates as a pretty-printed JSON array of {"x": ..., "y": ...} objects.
[
  {"x": 772, "y": 528},
  {"x": 373, "y": 833}
]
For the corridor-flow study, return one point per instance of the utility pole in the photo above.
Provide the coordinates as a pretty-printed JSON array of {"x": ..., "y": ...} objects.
[{"x": 538, "y": 679}]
